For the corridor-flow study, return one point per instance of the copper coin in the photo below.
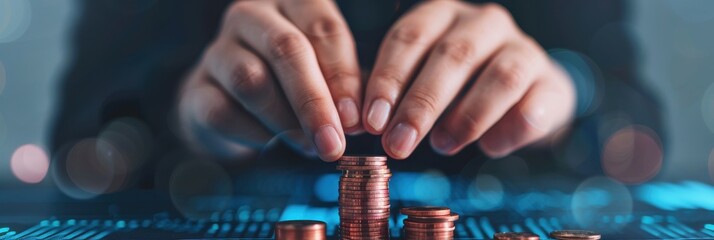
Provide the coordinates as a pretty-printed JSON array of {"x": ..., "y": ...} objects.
[
  {"x": 364, "y": 205},
  {"x": 364, "y": 192},
  {"x": 364, "y": 188},
  {"x": 364, "y": 222},
  {"x": 427, "y": 234},
  {"x": 300, "y": 229},
  {"x": 364, "y": 196},
  {"x": 515, "y": 236},
  {"x": 363, "y": 211},
  {"x": 362, "y": 167},
  {"x": 363, "y": 158},
  {"x": 431, "y": 230},
  {"x": 367, "y": 172},
  {"x": 367, "y": 176},
  {"x": 364, "y": 216},
  {"x": 412, "y": 224},
  {"x": 446, "y": 218},
  {"x": 361, "y": 163},
  {"x": 364, "y": 183},
  {"x": 425, "y": 211},
  {"x": 363, "y": 180},
  {"x": 574, "y": 234}
]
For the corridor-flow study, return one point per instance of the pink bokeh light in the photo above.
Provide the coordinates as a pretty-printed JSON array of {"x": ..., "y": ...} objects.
[
  {"x": 632, "y": 155},
  {"x": 29, "y": 163}
]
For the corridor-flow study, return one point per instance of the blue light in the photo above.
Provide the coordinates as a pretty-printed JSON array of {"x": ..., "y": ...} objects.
[
  {"x": 709, "y": 226},
  {"x": 326, "y": 187},
  {"x": 293, "y": 212}
]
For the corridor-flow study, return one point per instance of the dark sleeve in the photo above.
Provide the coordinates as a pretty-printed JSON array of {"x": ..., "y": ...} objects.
[
  {"x": 128, "y": 58},
  {"x": 593, "y": 42}
]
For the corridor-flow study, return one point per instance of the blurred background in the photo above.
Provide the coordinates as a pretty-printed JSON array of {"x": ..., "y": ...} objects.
[{"x": 675, "y": 39}]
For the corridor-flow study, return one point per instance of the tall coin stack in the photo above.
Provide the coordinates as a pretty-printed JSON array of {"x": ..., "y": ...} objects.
[
  {"x": 364, "y": 197},
  {"x": 429, "y": 223}
]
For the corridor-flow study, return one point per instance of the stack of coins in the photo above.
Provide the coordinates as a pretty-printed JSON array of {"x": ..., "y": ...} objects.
[
  {"x": 515, "y": 236},
  {"x": 364, "y": 197},
  {"x": 300, "y": 229},
  {"x": 574, "y": 235},
  {"x": 429, "y": 223}
]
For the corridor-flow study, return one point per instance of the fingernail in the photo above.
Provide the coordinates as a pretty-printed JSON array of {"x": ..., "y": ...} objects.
[
  {"x": 496, "y": 147},
  {"x": 348, "y": 112},
  {"x": 443, "y": 142},
  {"x": 402, "y": 139},
  {"x": 378, "y": 114},
  {"x": 327, "y": 141}
]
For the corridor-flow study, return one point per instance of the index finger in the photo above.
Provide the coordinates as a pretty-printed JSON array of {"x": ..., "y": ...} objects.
[
  {"x": 322, "y": 24},
  {"x": 293, "y": 60}
]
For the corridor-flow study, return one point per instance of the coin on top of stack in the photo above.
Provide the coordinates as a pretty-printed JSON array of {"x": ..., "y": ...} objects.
[
  {"x": 429, "y": 223},
  {"x": 515, "y": 236},
  {"x": 574, "y": 235},
  {"x": 364, "y": 197},
  {"x": 300, "y": 229}
]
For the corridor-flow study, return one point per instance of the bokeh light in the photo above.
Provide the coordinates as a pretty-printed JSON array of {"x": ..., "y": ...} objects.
[
  {"x": 199, "y": 188},
  {"x": 585, "y": 75},
  {"x": 131, "y": 138},
  {"x": 632, "y": 155},
  {"x": 597, "y": 197},
  {"x": 432, "y": 187},
  {"x": 708, "y": 107},
  {"x": 29, "y": 163},
  {"x": 15, "y": 18},
  {"x": 92, "y": 167},
  {"x": 486, "y": 192}
]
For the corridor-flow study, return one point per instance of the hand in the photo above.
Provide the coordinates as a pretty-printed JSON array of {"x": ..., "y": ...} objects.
[
  {"x": 273, "y": 65},
  {"x": 424, "y": 72}
]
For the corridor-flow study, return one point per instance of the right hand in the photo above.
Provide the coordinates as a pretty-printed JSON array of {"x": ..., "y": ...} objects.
[{"x": 276, "y": 66}]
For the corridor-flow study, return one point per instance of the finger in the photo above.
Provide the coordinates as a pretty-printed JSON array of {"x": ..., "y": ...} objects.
[
  {"x": 323, "y": 25},
  {"x": 215, "y": 123},
  {"x": 247, "y": 79},
  {"x": 293, "y": 60},
  {"x": 401, "y": 52},
  {"x": 543, "y": 110},
  {"x": 503, "y": 82},
  {"x": 449, "y": 66}
]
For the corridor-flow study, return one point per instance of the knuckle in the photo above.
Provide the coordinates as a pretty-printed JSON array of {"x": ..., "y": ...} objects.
[
  {"x": 240, "y": 8},
  {"x": 339, "y": 76},
  {"x": 391, "y": 76},
  {"x": 510, "y": 75},
  {"x": 311, "y": 103},
  {"x": 457, "y": 50},
  {"x": 424, "y": 100},
  {"x": 248, "y": 79},
  {"x": 325, "y": 27},
  {"x": 470, "y": 125},
  {"x": 288, "y": 45},
  {"x": 407, "y": 34},
  {"x": 217, "y": 115},
  {"x": 497, "y": 11}
]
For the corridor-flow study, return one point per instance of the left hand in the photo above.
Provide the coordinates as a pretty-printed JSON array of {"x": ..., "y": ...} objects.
[{"x": 424, "y": 72}]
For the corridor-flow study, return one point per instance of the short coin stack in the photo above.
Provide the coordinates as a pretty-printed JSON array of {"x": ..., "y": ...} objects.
[
  {"x": 300, "y": 229},
  {"x": 364, "y": 197},
  {"x": 429, "y": 223}
]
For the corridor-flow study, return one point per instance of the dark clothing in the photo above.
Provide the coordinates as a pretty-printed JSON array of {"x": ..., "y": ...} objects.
[{"x": 129, "y": 58}]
